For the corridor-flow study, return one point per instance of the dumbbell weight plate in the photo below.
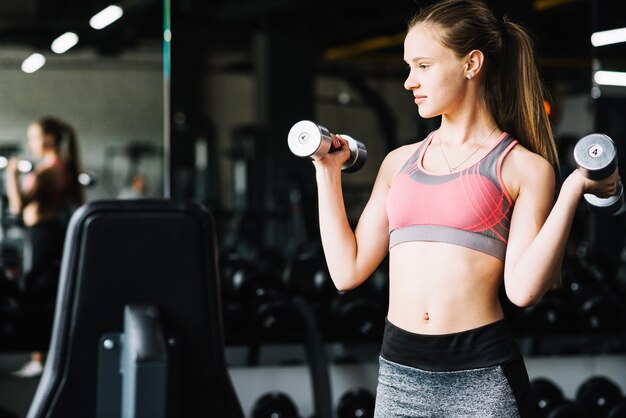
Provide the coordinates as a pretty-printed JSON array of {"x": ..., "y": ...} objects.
[
  {"x": 358, "y": 155},
  {"x": 596, "y": 394},
  {"x": 596, "y": 156},
  {"x": 308, "y": 139},
  {"x": 605, "y": 206},
  {"x": 275, "y": 404}
]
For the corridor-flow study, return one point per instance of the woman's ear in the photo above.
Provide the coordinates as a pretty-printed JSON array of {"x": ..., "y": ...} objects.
[{"x": 474, "y": 63}]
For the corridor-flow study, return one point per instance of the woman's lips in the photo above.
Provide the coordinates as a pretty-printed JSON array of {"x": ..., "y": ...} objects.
[{"x": 419, "y": 99}]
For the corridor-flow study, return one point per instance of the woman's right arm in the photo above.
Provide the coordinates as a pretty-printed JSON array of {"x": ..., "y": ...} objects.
[
  {"x": 14, "y": 194},
  {"x": 352, "y": 256}
]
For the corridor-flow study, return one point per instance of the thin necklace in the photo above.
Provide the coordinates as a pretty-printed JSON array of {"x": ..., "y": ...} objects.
[{"x": 468, "y": 157}]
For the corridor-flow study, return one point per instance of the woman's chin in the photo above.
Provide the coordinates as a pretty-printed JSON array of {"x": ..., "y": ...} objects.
[{"x": 426, "y": 114}]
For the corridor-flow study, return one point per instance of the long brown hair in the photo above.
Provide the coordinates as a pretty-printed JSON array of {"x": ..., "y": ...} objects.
[
  {"x": 66, "y": 144},
  {"x": 511, "y": 87}
]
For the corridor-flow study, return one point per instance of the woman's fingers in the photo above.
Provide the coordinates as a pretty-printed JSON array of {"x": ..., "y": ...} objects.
[{"x": 338, "y": 141}]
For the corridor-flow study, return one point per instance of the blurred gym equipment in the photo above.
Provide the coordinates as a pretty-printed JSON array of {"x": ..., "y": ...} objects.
[
  {"x": 356, "y": 403},
  {"x": 550, "y": 401},
  {"x": 134, "y": 154},
  {"x": 275, "y": 405},
  {"x": 120, "y": 254},
  {"x": 597, "y": 397}
]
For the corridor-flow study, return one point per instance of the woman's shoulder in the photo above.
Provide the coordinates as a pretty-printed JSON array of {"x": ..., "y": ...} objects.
[
  {"x": 525, "y": 168},
  {"x": 397, "y": 157},
  {"x": 525, "y": 159},
  {"x": 404, "y": 152},
  {"x": 51, "y": 172}
]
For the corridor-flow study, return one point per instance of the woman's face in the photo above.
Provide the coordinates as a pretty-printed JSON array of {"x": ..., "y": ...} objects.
[
  {"x": 437, "y": 76},
  {"x": 35, "y": 137},
  {"x": 39, "y": 142}
]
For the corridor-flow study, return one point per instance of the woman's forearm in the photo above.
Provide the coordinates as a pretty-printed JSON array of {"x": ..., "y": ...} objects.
[{"x": 14, "y": 195}]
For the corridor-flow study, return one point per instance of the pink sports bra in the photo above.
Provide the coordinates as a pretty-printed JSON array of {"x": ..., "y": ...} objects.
[{"x": 470, "y": 207}]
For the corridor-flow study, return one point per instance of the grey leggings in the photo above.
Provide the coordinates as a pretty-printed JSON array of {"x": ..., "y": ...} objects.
[{"x": 475, "y": 373}]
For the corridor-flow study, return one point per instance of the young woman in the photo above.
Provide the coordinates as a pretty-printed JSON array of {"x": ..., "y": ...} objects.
[
  {"x": 44, "y": 198},
  {"x": 52, "y": 188},
  {"x": 470, "y": 206}
]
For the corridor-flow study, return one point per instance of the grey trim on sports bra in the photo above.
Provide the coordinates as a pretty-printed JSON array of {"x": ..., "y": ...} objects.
[{"x": 446, "y": 234}]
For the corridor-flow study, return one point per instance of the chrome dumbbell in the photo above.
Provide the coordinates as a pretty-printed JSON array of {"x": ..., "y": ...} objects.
[
  {"x": 596, "y": 157},
  {"x": 309, "y": 139}
]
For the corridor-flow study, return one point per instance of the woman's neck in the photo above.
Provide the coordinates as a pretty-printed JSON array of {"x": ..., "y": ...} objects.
[
  {"x": 49, "y": 157},
  {"x": 470, "y": 126}
]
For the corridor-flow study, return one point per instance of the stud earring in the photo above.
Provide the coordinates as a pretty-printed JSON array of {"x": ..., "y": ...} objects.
[{"x": 469, "y": 76}]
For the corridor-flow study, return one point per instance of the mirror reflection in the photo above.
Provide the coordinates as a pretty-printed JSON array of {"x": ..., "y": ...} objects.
[{"x": 81, "y": 117}]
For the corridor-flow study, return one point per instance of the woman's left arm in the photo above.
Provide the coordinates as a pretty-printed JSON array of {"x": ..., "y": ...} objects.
[{"x": 540, "y": 227}]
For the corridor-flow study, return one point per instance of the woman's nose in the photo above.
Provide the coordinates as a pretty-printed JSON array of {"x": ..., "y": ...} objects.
[{"x": 410, "y": 82}]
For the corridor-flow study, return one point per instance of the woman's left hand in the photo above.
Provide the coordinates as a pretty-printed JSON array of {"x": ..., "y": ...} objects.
[{"x": 603, "y": 188}]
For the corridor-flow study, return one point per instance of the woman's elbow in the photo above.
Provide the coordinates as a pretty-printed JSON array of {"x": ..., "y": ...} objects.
[
  {"x": 345, "y": 282},
  {"x": 344, "y": 285},
  {"x": 524, "y": 299},
  {"x": 521, "y": 301},
  {"x": 15, "y": 210}
]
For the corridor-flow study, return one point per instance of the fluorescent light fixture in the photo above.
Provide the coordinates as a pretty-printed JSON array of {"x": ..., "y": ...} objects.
[
  {"x": 610, "y": 78},
  {"x": 64, "y": 42},
  {"x": 608, "y": 37},
  {"x": 33, "y": 63},
  {"x": 106, "y": 17}
]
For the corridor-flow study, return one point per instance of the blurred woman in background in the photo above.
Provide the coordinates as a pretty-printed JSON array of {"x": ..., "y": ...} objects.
[{"x": 44, "y": 199}]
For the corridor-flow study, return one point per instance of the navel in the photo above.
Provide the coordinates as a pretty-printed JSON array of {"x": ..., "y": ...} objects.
[{"x": 426, "y": 317}]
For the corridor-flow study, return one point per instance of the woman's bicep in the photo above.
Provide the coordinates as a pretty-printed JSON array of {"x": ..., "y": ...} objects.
[
  {"x": 372, "y": 230},
  {"x": 532, "y": 207}
]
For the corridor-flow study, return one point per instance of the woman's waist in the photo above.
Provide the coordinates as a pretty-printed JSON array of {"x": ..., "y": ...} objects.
[
  {"x": 440, "y": 303},
  {"x": 436, "y": 318},
  {"x": 483, "y": 346},
  {"x": 442, "y": 258},
  {"x": 35, "y": 212}
]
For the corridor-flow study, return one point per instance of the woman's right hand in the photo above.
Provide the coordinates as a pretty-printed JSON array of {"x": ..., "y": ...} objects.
[
  {"x": 339, "y": 154},
  {"x": 11, "y": 169},
  {"x": 603, "y": 188}
]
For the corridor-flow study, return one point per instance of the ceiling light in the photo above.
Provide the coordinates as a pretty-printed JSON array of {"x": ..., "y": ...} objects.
[
  {"x": 64, "y": 42},
  {"x": 608, "y": 37},
  {"x": 106, "y": 17},
  {"x": 33, "y": 63},
  {"x": 610, "y": 78}
]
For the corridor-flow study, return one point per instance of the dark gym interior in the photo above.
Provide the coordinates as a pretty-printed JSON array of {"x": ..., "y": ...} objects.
[{"x": 182, "y": 110}]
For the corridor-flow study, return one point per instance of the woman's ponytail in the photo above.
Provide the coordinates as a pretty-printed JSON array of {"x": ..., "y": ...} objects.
[
  {"x": 519, "y": 106},
  {"x": 72, "y": 162}
]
